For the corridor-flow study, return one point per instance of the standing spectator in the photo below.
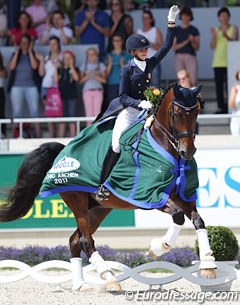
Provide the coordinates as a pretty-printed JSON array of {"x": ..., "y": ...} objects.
[
  {"x": 3, "y": 26},
  {"x": 23, "y": 82},
  {"x": 92, "y": 76},
  {"x": 220, "y": 36},
  {"x": 128, "y": 21},
  {"x": 117, "y": 22},
  {"x": 67, "y": 76},
  {"x": 24, "y": 26},
  {"x": 39, "y": 16},
  {"x": 47, "y": 70},
  {"x": 155, "y": 38},
  {"x": 115, "y": 60},
  {"x": 56, "y": 27},
  {"x": 186, "y": 43},
  {"x": 234, "y": 106},
  {"x": 184, "y": 79},
  {"x": 3, "y": 76},
  {"x": 92, "y": 26}
]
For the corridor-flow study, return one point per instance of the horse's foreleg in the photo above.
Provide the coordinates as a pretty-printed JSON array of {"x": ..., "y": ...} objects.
[
  {"x": 207, "y": 260},
  {"x": 164, "y": 245},
  {"x": 78, "y": 203}
]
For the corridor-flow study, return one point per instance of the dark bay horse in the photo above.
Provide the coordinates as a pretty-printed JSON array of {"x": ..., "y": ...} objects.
[{"x": 172, "y": 126}]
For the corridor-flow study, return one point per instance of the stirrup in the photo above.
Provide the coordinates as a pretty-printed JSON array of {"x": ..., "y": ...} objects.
[{"x": 102, "y": 193}]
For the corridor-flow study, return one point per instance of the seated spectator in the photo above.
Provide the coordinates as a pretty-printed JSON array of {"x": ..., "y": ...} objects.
[
  {"x": 24, "y": 81},
  {"x": 234, "y": 106},
  {"x": 92, "y": 26},
  {"x": 39, "y": 16},
  {"x": 47, "y": 70},
  {"x": 115, "y": 60},
  {"x": 24, "y": 26},
  {"x": 3, "y": 26},
  {"x": 154, "y": 36},
  {"x": 56, "y": 27},
  {"x": 66, "y": 76},
  {"x": 3, "y": 76},
  {"x": 117, "y": 22},
  {"x": 92, "y": 76},
  {"x": 184, "y": 79}
]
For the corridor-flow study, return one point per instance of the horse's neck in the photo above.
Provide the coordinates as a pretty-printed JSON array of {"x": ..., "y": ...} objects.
[{"x": 159, "y": 134}]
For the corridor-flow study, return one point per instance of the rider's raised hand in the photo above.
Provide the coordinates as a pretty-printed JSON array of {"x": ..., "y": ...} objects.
[
  {"x": 145, "y": 105},
  {"x": 173, "y": 12}
]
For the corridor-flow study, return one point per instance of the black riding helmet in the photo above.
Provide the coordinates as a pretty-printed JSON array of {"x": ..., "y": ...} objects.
[{"x": 137, "y": 42}]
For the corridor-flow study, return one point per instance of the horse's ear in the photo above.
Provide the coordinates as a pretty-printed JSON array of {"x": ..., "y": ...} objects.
[
  {"x": 197, "y": 90},
  {"x": 177, "y": 92}
]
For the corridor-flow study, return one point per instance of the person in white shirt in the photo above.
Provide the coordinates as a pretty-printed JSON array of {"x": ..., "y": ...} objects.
[{"x": 56, "y": 27}]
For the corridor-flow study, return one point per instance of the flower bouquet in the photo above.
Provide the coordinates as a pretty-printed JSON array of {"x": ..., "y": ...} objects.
[{"x": 153, "y": 95}]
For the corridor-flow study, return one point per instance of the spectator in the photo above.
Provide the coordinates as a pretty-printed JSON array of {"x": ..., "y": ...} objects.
[
  {"x": 92, "y": 76},
  {"x": 56, "y": 27},
  {"x": 234, "y": 106},
  {"x": 128, "y": 21},
  {"x": 39, "y": 16},
  {"x": 115, "y": 60},
  {"x": 184, "y": 79},
  {"x": 155, "y": 38},
  {"x": 24, "y": 26},
  {"x": 24, "y": 81},
  {"x": 67, "y": 76},
  {"x": 117, "y": 22},
  {"x": 92, "y": 26},
  {"x": 186, "y": 43},
  {"x": 3, "y": 76},
  {"x": 47, "y": 70},
  {"x": 3, "y": 26},
  {"x": 220, "y": 36}
]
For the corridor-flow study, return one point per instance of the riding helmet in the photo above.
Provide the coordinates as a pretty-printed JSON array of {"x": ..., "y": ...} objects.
[{"x": 137, "y": 42}]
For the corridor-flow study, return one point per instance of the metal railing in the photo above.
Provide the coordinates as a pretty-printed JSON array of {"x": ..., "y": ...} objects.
[{"x": 78, "y": 120}]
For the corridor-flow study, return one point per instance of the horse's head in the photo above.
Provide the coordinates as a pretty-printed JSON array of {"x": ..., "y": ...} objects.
[{"x": 181, "y": 106}]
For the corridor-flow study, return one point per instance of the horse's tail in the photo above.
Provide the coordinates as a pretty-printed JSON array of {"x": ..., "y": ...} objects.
[{"x": 20, "y": 198}]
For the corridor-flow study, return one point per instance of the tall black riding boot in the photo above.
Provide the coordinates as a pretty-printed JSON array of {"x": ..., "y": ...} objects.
[{"x": 108, "y": 164}]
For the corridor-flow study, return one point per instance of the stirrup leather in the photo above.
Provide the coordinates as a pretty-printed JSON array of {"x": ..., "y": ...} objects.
[{"x": 102, "y": 193}]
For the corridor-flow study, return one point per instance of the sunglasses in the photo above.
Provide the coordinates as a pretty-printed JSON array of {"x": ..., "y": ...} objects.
[{"x": 182, "y": 78}]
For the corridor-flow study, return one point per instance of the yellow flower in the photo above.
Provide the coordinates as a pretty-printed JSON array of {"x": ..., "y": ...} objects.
[{"x": 156, "y": 92}]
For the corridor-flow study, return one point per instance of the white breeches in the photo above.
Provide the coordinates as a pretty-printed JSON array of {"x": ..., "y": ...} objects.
[{"x": 125, "y": 118}]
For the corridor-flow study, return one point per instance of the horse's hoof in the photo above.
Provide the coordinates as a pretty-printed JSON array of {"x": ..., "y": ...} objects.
[
  {"x": 209, "y": 273},
  {"x": 113, "y": 285}
]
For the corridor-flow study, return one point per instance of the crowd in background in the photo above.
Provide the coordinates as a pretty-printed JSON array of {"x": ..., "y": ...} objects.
[{"x": 30, "y": 74}]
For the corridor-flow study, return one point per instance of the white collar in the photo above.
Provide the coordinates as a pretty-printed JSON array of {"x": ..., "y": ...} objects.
[{"x": 141, "y": 64}]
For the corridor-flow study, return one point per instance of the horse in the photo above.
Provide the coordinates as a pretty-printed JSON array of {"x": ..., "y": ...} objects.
[{"x": 172, "y": 127}]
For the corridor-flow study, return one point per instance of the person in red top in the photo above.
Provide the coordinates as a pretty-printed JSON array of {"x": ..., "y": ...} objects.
[{"x": 24, "y": 26}]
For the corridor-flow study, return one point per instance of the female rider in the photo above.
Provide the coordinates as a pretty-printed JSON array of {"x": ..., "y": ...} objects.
[{"x": 135, "y": 77}]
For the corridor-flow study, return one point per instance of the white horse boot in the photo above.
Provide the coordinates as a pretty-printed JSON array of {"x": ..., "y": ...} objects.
[
  {"x": 77, "y": 273},
  {"x": 104, "y": 271},
  {"x": 163, "y": 245},
  {"x": 207, "y": 260}
]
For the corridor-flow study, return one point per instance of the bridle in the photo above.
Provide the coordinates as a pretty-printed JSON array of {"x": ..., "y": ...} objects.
[{"x": 174, "y": 137}]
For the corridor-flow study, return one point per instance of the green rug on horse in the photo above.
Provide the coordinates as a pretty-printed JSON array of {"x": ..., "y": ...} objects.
[{"x": 144, "y": 174}]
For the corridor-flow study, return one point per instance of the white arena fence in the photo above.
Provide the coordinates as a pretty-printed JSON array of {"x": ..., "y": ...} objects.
[
  {"x": 226, "y": 273},
  {"x": 202, "y": 118}
]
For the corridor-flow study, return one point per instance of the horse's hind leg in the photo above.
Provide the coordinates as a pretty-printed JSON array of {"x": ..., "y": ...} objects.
[{"x": 78, "y": 203}]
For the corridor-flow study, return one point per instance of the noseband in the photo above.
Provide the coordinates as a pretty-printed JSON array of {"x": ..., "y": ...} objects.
[{"x": 175, "y": 136}]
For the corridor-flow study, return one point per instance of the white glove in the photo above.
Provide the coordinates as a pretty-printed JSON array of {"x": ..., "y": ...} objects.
[
  {"x": 172, "y": 14},
  {"x": 145, "y": 105}
]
